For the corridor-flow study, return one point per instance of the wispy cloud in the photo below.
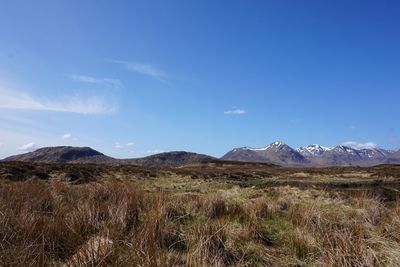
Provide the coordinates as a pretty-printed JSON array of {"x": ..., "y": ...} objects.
[
  {"x": 356, "y": 145},
  {"x": 144, "y": 69},
  {"x": 14, "y": 99},
  {"x": 1, "y": 144},
  {"x": 115, "y": 83},
  {"x": 122, "y": 146},
  {"x": 154, "y": 151},
  {"x": 235, "y": 112},
  {"x": 142, "y": 153},
  {"x": 118, "y": 145},
  {"x": 66, "y": 136},
  {"x": 27, "y": 147}
]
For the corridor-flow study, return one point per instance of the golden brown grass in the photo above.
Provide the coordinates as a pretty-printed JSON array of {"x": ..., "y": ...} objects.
[{"x": 116, "y": 222}]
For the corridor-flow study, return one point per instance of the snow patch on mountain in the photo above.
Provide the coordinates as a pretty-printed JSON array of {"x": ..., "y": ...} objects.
[
  {"x": 275, "y": 145},
  {"x": 313, "y": 150}
]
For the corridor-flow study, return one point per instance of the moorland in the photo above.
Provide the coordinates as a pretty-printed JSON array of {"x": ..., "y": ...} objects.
[{"x": 218, "y": 213}]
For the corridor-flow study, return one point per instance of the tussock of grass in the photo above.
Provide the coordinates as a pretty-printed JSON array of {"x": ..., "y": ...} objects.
[{"x": 116, "y": 222}]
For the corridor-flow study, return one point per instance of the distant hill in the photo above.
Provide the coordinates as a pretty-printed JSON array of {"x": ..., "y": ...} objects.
[
  {"x": 64, "y": 154},
  {"x": 68, "y": 154},
  {"x": 314, "y": 155},
  {"x": 170, "y": 159}
]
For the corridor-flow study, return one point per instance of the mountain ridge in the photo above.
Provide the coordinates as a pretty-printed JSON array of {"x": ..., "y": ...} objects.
[
  {"x": 277, "y": 153},
  {"x": 314, "y": 155}
]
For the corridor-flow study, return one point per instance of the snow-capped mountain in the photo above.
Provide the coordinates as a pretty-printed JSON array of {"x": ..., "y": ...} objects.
[
  {"x": 376, "y": 153},
  {"x": 275, "y": 145},
  {"x": 352, "y": 156},
  {"x": 314, "y": 155},
  {"x": 312, "y": 150},
  {"x": 276, "y": 152}
]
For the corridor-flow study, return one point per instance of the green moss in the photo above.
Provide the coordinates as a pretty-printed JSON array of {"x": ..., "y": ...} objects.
[{"x": 276, "y": 229}]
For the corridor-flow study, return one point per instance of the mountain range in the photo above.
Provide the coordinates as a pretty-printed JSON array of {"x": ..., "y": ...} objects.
[
  {"x": 314, "y": 155},
  {"x": 276, "y": 153}
]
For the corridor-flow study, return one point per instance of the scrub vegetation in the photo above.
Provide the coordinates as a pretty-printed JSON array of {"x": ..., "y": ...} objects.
[{"x": 191, "y": 216}]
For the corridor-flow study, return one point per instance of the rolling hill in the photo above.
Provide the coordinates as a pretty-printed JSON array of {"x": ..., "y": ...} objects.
[{"x": 68, "y": 154}]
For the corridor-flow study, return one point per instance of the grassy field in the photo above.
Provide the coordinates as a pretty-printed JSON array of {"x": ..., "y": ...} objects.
[{"x": 215, "y": 214}]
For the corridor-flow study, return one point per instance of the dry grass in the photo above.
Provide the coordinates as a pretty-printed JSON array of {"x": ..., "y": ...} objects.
[{"x": 116, "y": 222}]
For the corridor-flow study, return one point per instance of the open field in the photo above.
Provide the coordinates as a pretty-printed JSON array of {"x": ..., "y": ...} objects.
[{"x": 214, "y": 214}]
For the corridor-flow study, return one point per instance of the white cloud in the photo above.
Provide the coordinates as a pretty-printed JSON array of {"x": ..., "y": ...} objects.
[
  {"x": 155, "y": 151},
  {"x": 235, "y": 112},
  {"x": 356, "y": 145},
  {"x": 144, "y": 69},
  {"x": 13, "y": 99},
  {"x": 115, "y": 83},
  {"x": 121, "y": 146},
  {"x": 66, "y": 136},
  {"x": 27, "y": 147},
  {"x": 1, "y": 144},
  {"x": 16, "y": 137}
]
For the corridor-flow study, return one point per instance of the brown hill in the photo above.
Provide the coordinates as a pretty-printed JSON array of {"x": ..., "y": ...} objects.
[
  {"x": 68, "y": 154},
  {"x": 64, "y": 154},
  {"x": 170, "y": 159}
]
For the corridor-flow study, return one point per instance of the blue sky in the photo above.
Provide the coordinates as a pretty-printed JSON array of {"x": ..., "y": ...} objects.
[{"x": 132, "y": 78}]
